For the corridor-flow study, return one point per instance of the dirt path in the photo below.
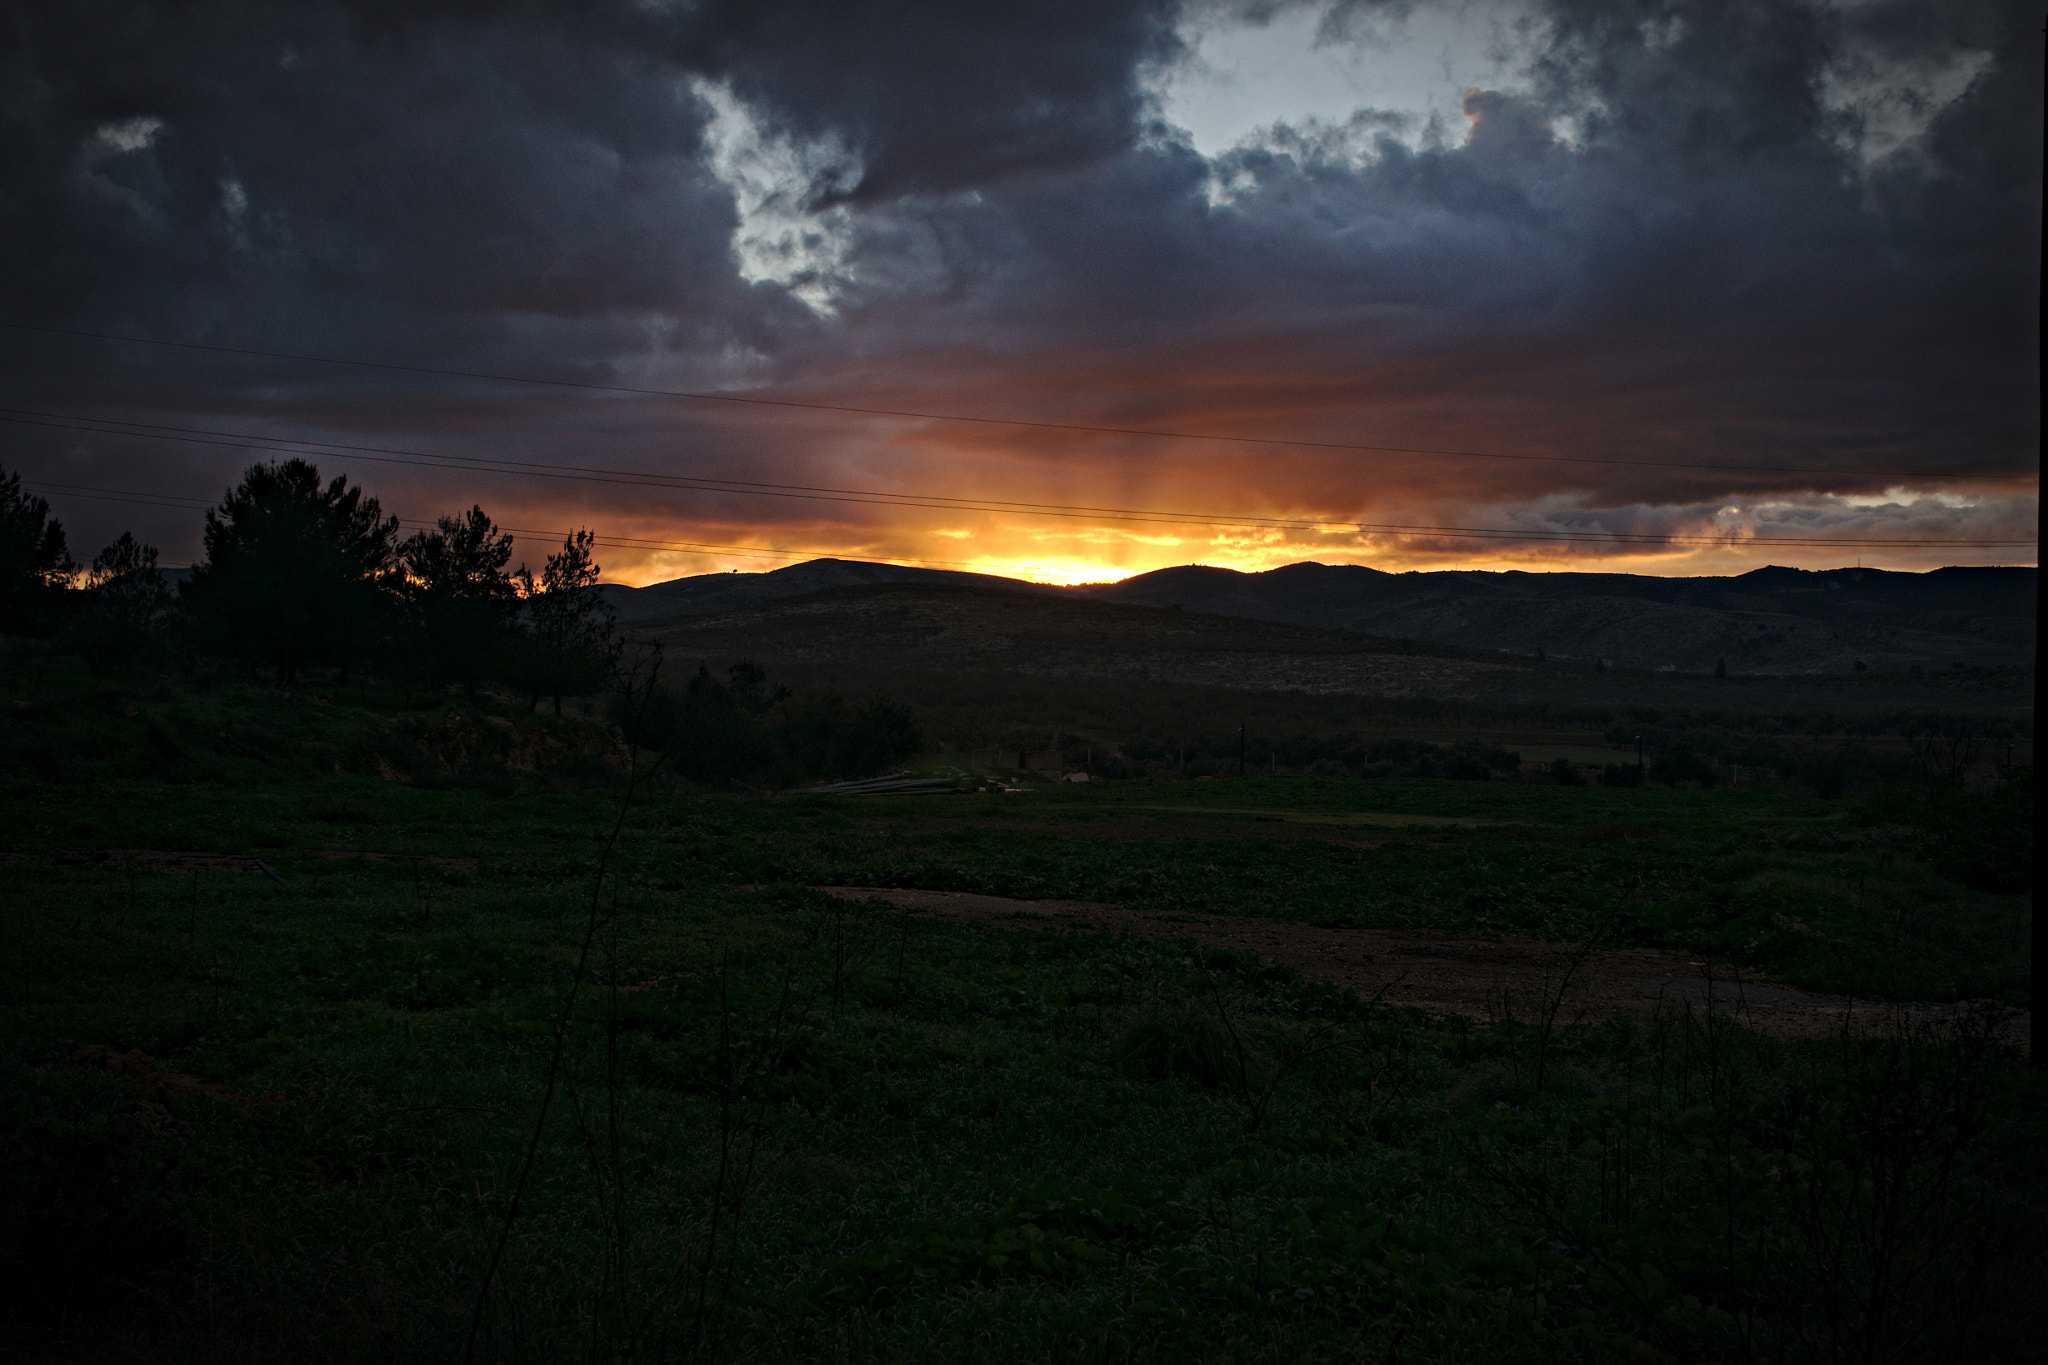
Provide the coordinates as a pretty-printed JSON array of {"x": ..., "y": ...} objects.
[{"x": 1479, "y": 978}]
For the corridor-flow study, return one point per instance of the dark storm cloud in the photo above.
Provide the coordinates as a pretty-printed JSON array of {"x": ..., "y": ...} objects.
[
  {"x": 1707, "y": 263},
  {"x": 226, "y": 160},
  {"x": 935, "y": 95},
  {"x": 440, "y": 181},
  {"x": 1681, "y": 234}
]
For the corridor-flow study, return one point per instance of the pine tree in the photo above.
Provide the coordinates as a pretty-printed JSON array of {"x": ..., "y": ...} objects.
[
  {"x": 35, "y": 564},
  {"x": 459, "y": 601},
  {"x": 569, "y": 645},
  {"x": 128, "y": 607},
  {"x": 295, "y": 575}
]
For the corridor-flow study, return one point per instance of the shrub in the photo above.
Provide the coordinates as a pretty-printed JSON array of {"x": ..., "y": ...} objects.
[
  {"x": 126, "y": 615},
  {"x": 1186, "y": 1044},
  {"x": 1680, "y": 764}
]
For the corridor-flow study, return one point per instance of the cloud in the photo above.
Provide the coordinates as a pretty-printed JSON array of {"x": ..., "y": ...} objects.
[
  {"x": 781, "y": 238},
  {"x": 936, "y": 96},
  {"x": 1777, "y": 233}
]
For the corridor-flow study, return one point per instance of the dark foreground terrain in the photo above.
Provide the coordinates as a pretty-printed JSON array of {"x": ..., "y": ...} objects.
[{"x": 327, "y": 1009}]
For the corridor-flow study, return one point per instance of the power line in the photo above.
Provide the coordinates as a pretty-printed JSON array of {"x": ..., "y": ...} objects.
[
  {"x": 699, "y": 396},
  {"x": 877, "y": 498}
]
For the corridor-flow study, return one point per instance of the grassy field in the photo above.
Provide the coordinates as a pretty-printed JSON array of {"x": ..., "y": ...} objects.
[{"x": 288, "y": 1117}]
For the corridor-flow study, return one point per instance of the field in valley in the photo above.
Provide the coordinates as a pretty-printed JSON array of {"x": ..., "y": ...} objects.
[{"x": 350, "y": 1025}]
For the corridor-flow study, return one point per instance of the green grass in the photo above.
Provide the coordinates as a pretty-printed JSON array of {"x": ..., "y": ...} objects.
[
  {"x": 960, "y": 1143},
  {"x": 1826, "y": 896}
]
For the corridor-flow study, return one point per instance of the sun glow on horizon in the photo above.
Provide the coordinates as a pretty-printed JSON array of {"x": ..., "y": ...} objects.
[
  {"x": 626, "y": 568},
  {"x": 1063, "y": 573},
  {"x": 1557, "y": 535}
]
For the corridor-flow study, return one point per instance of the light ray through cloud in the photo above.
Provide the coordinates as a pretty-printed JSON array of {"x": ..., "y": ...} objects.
[{"x": 1721, "y": 274}]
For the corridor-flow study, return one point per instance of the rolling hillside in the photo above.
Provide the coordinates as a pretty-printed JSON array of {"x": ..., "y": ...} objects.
[
  {"x": 998, "y": 633},
  {"x": 1771, "y": 622}
]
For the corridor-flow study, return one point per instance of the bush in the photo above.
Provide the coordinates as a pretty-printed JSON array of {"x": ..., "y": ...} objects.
[
  {"x": 1621, "y": 775},
  {"x": 1188, "y": 1044},
  {"x": 1985, "y": 839},
  {"x": 1680, "y": 764},
  {"x": 823, "y": 735},
  {"x": 720, "y": 731},
  {"x": 1828, "y": 772},
  {"x": 126, "y": 616}
]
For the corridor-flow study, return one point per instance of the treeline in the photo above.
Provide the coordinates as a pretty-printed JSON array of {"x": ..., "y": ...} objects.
[
  {"x": 1316, "y": 755},
  {"x": 298, "y": 575},
  {"x": 739, "y": 728},
  {"x": 301, "y": 575}
]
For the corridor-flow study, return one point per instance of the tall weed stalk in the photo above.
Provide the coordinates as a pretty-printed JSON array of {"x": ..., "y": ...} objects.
[
  {"x": 638, "y": 683},
  {"x": 1848, "y": 1217}
]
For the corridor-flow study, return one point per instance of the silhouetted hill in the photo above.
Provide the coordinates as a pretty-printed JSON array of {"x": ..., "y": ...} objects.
[
  {"x": 1770, "y": 621},
  {"x": 706, "y": 594}
]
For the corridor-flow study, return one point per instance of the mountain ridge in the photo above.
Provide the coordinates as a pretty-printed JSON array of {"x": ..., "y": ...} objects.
[
  {"x": 710, "y": 594},
  {"x": 1772, "y": 620}
]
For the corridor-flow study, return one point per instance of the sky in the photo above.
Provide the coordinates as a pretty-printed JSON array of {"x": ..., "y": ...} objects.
[{"x": 1064, "y": 289}]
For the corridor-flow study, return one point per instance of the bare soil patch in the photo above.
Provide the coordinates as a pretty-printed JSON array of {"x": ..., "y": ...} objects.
[
  {"x": 451, "y": 862},
  {"x": 138, "y": 1066},
  {"x": 1219, "y": 829},
  {"x": 1448, "y": 974}
]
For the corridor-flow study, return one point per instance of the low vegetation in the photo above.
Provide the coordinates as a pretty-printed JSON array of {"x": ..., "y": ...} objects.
[{"x": 308, "y": 987}]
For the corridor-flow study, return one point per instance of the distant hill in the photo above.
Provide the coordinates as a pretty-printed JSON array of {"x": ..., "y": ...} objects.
[
  {"x": 709, "y": 594},
  {"x": 1769, "y": 621},
  {"x": 998, "y": 637},
  {"x": 944, "y": 628}
]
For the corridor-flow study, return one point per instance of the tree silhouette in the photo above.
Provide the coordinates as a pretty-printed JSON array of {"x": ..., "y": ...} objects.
[
  {"x": 35, "y": 564},
  {"x": 568, "y": 646},
  {"x": 128, "y": 607},
  {"x": 459, "y": 600},
  {"x": 295, "y": 575}
]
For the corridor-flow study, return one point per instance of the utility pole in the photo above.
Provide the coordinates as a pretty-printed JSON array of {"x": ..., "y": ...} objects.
[{"x": 1240, "y": 748}]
